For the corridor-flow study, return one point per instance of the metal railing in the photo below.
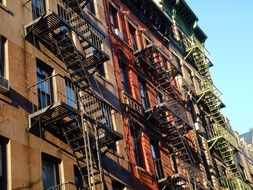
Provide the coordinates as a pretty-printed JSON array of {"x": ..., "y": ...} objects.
[
  {"x": 218, "y": 131},
  {"x": 98, "y": 109},
  {"x": 66, "y": 186},
  {"x": 51, "y": 90},
  {"x": 131, "y": 103},
  {"x": 159, "y": 168},
  {"x": 187, "y": 86}
]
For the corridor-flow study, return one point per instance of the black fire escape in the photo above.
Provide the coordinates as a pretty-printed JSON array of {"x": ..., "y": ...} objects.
[
  {"x": 174, "y": 121},
  {"x": 70, "y": 36}
]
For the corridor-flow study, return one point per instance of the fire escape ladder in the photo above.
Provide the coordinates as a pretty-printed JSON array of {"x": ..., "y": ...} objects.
[
  {"x": 227, "y": 154},
  {"x": 75, "y": 41},
  {"x": 82, "y": 138},
  {"x": 181, "y": 146},
  {"x": 219, "y": 136},
  {"x": 76, "y": 5}
]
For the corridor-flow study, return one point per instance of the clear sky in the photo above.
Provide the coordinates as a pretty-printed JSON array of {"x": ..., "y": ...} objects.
[{"x": 229, "y": 27}]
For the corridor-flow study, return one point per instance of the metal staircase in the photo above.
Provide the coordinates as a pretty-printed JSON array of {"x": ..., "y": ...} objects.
[
  {"x": 219, "y": 135},
  {"x": 174, "y": 120},
  {"x": 76, "y": 42}
]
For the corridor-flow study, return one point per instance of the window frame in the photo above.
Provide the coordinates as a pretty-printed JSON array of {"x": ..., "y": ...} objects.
[
  {"x": 42, "y": 93},
  {"x": 123, "y": 66},
  {"x": 71, "y": 94},
  {"x": 143, "y": 93},
  {"x": 2, "y": 56},
  {"x": 37, "y": 12},
  {"x": 55, "y": 162},
  {"x": 136, "y": 134},
  {"x": 3, "y": 162},
  {"x": 133, "y": 41},
  {"x": 113, "y": 17},
  {"x": 91, "y": 7},
  {"x": 156, "y": 156}
]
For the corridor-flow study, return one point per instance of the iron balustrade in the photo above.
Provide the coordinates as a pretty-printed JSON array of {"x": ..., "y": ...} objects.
[
  {"x": 131, "y": 103},
  {"x": 57, "y": 91},
  {"x": 66, "y": 186}
]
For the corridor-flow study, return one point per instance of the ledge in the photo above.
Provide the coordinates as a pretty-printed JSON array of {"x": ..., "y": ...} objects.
[
  {"x": 140, "y": 169},
  {"x": 6, "y": 9}
]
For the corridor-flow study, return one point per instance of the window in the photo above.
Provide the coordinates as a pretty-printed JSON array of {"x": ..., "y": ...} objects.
[
  {"x": 138, "y": 152},
  {"x": 44, "y": 87},
  {"x": 71, "y": 98},
  {"x": 2, "y": 56},
  {"x": 113, "y": 18},
  {"x": 143, "y": 93},
  {"x": 157, "y": 159},
  {"x": 101, "y": 69},
  {"x": 174, "y": 162},
  {"x": 90, "y": 6},
  {"x": 117, "y": 186},
  {"x": 133, "y": 39},
  {"x": 3, "y": 164},
  {"x": 79, "y": 179},
  {"x": 38, "y": 8},
  {"x": 50, "y": 171},
  {"x": 123, "y": 72}
]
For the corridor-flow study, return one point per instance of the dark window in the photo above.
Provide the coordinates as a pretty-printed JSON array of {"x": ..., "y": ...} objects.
[
  {"x": 2, "y": 55},
  {"x": 71, "y": 97},
  {"x": 38, "y": 8},
  {"x": 174, "y": 162},
  {"x": 3, "y": 164},
  {"x": 101, "y": 69},
  {"x": 133, "y": 40},
  {"x": 44, "y": 87},
  {"x": 124, "y": 72},
  {"x": 79, "y": 179},
  {"x": 117, "y": 186},
  {"x": 107, "y": 116},
  {"x": 138, "y": 152},
  {"x": 143, "y": 93},
  {"x": 113, "y": 17},
  {"x": 155, "y": 151},
  {"x": 50, "y": 171},
  {"x": 63, "y": 13},
  {"x": 90, "y": 6}
]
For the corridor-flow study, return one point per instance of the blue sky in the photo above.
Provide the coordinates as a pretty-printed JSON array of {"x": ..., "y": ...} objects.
[{"x": 229, "y": 27}]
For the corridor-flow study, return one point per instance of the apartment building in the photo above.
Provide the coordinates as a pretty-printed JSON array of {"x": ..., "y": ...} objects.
[
  {"x": 177, "y": 137},
  {"x": 60, "y": 125},
  {"x": 111, "y": 94}
]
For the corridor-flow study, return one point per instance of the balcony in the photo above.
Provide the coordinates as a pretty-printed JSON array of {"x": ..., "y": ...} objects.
[
  {"x": 66, "y": 186},
  {"x": 72, "y": 37},
  {"x": 186, "y": 86},
  {"x": 56, "y": 106},
  {"x": 217, "y": 132},
  {"x": 131, "y": 104},
  {"x": 4, "y": 85},
  {"x": 239, "y": 184}
]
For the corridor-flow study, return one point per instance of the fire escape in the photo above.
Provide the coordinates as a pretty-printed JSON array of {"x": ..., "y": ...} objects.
[
  {"x": 70, "y": 36},
  {"x": 174, "y": 120},
  {"x": 220, "y": 137}
]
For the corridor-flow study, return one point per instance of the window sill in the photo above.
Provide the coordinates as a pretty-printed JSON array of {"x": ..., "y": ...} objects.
[
  {"x": 122, "y": 40},
  {"x": 144, "y": 171},
  {"x": 104, "y": 79},
  {"x": 2, "y": 6}
]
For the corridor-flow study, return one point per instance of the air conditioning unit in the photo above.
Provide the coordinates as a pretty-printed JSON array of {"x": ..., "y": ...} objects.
[
  {"x": 4, "y": 85},
  {"x": 118, "y": 33}
]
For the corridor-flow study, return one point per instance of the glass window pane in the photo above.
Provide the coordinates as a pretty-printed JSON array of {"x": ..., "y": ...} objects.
[{"x": 49, "y": 173}]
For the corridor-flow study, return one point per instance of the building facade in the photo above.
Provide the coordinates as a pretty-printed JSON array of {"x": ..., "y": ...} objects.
[{"x": 111, "y": 94}]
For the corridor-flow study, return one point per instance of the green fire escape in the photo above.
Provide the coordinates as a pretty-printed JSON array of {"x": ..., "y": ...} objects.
[{"x": 220, "y": 137}]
